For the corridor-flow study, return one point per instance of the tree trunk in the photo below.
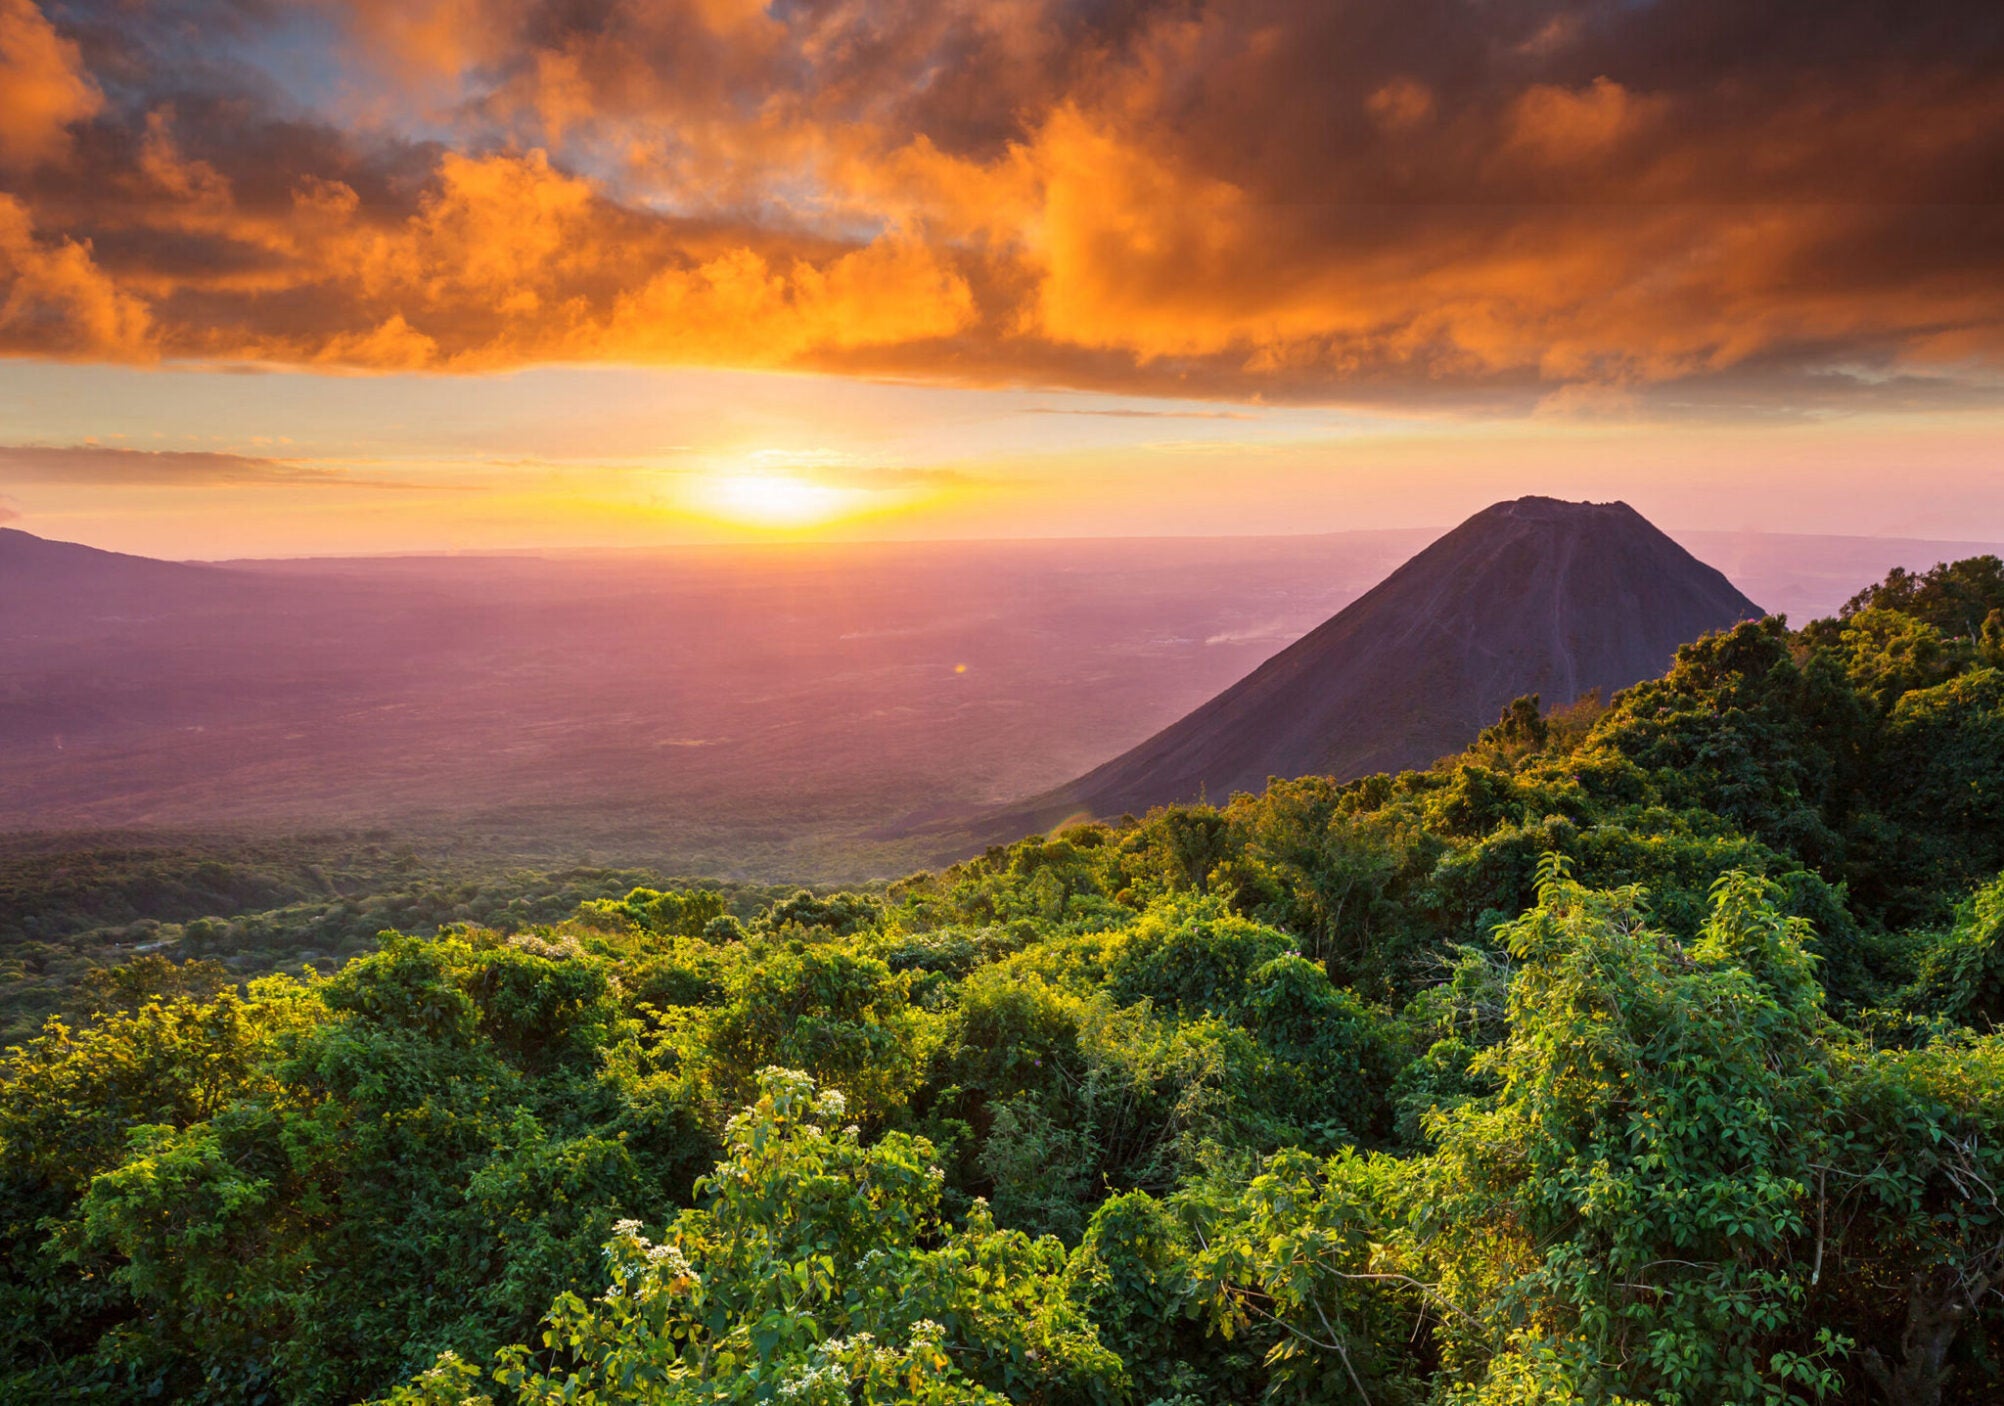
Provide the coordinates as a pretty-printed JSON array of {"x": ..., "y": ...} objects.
[{"x": 1937, "y": 1304}]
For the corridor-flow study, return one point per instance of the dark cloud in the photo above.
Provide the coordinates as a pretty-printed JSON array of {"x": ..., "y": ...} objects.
[
  {"x": 167, "y": 468},
  {"x": 1518, "y": 203}
]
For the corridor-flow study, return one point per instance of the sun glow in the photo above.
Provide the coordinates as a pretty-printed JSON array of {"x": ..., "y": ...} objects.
[{"x": 758, "y": 498}]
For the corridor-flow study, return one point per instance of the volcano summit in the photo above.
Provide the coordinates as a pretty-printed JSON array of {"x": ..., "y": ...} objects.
[{"x": 1530, "y": 596}]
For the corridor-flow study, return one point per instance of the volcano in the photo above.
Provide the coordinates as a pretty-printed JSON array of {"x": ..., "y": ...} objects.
[{"x": 1530, "y": 596}]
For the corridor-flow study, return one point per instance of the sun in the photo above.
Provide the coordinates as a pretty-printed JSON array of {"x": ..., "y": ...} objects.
[{"x": 760, "y": 498}]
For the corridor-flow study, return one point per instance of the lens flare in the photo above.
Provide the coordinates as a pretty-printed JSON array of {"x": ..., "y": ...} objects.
[{"x": 775, "y": 500}]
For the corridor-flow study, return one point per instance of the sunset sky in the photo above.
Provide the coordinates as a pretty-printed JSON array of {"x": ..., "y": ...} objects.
[{"x": 283, "y": 276}]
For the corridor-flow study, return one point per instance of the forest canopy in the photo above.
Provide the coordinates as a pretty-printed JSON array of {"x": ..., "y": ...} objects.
[{"x": 1647, "y": 1051}]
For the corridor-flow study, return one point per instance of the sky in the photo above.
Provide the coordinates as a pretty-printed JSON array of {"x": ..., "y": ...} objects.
[{"x": 295, "y": 276}]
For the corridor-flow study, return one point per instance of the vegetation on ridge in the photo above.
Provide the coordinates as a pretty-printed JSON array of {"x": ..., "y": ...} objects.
[{"x": 1644, "y": 1053}]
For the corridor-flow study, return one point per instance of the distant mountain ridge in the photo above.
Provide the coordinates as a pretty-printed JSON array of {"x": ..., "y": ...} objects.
[
  {"x": 1535, "y": 595},
  {"x": 75, "y": 580}
]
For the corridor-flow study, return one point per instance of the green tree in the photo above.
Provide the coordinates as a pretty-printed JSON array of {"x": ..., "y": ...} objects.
[
  {"x": 1620, "y": 1221},
  {"x": 817, "y": 1269}
]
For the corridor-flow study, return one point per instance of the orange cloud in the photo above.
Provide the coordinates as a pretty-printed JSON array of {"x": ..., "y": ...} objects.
[
  {"x": 392, "y": 345},
  {"x": 96, "y": 464},
  {"x": 1233, "y": 197},
  {"x": 738, "y": 309},
  {"x": 1559, "y": 125},
  {"x": 55, "y": 301},
  {"x": 509, "y": 260},
  {"x": 426, "y": 38},
  {"x": 1133, "y": 251},
  {"x": 495, "y": 231},
  {"x": 1401, "y": 105},
  {"x": 43, "y": 88}
]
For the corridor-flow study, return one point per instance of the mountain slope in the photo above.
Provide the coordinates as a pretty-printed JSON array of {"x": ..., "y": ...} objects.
[
  {"x": 1531, "y": 596},
  {"x": 62, "y": 583}
]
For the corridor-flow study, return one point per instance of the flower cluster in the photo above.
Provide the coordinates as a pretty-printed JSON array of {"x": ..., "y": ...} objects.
[
  {"x": 556, "y": 949},
  {"x": 829, "y": 1381},
  {"x": 661, "y": 1267},
  {"x": 670, "y": 1261}
]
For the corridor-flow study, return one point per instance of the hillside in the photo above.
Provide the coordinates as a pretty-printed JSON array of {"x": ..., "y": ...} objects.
[
  {"x": 1529, "y": 596},
  {"x": 47, "y": 583}
]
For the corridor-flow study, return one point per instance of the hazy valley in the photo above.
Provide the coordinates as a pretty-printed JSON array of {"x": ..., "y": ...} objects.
[{"x": 770, "y": 711}]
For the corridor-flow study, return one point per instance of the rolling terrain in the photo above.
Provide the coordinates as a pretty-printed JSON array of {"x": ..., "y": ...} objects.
[{"x": 716, "y": 710}]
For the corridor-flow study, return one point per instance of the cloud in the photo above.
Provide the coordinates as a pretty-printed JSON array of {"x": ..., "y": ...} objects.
[
  {"x": 8, "y": 512},
  {"x": 901, "y": 479},
  {"x": 1126, "y": 413},
  {"x": 1544, "y": 203},
  {"x": 43, "y": 87},
  {"x": 103, "y": 466},
  {"x": 1271, "y": 631},
  {"x": 1401, "y": 105},
  {"x": 815, "y": 467},
  {"x": 56, "y": 301},
  {"x": 1557, "y": 127}
]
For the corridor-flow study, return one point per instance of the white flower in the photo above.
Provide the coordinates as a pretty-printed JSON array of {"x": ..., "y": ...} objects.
[
  {"x": 824, "y": 1382},
  {"x": 626, "y": 1227},
  {"x": 831, "y": 1104},
  {"x": 674, "y": 1263}
]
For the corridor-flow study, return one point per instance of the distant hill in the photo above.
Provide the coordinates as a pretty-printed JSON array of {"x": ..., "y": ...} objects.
[
  {"x": 1531, "y": 596},
  {"x": 73, "y": 584}
]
